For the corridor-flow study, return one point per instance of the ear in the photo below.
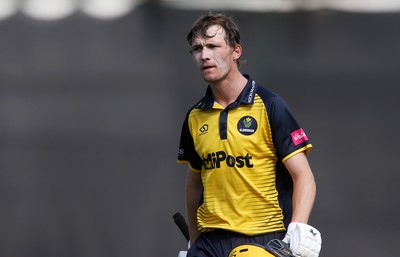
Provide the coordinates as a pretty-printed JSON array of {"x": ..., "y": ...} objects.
[{"x": 237, "y": 52}]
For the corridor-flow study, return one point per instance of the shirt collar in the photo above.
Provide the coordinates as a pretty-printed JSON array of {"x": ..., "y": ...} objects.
[{"x": 245, "y": 97}]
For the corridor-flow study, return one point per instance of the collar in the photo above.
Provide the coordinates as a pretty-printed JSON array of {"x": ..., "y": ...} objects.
[{"x": 245, "y": 97}]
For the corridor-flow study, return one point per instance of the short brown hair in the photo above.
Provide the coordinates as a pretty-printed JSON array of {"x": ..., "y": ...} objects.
[{"x": 200, "y": 26}]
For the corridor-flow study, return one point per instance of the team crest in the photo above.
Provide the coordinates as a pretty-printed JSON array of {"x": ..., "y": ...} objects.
[{"x": 247, "y": 125}]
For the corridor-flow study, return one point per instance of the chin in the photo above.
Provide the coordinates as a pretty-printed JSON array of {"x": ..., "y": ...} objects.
[{"x": 210, "y": 79}]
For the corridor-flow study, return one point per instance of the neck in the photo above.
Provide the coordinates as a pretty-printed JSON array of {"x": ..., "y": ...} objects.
[{"x": 227, "y": 90}]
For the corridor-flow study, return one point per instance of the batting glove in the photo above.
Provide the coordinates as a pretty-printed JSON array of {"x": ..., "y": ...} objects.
[
  {"x": 304, "y": 240},
  {"x": 182, "y": 254}
]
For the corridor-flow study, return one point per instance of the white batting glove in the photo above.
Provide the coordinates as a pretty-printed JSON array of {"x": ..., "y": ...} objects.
[
  {"x": 182, "y": 254},
  {"x": 304, "y": 240}
]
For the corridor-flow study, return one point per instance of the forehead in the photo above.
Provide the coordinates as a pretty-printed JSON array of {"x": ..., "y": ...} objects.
[{"x": 213, "y": 33}]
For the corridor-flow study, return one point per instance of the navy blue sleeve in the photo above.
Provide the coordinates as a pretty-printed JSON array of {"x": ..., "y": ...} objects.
[
  {"x": 187, "y": 152},
  {"x": 287, "y": 134}
]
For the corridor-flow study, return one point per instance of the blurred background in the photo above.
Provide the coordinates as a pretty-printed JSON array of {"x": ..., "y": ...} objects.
[{"x": 93, "y": 94}]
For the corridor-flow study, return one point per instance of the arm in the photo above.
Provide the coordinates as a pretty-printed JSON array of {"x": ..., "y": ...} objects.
[
  {"x": 194, "y": 189},
  {"x": 304, "y": 188},
  {"x": 304, "y": 240}
]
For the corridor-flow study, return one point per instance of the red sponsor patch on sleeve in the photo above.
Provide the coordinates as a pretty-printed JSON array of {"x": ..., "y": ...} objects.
[{"x": 299, "y": 136}]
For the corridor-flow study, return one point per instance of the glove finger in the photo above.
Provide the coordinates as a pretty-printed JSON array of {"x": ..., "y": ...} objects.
[
  {"x": 182, "y": 254},
  {"x": 286, "y": 239}
]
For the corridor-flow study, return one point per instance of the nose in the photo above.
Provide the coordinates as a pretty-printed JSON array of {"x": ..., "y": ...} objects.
[{"x": 204, "y": 55}]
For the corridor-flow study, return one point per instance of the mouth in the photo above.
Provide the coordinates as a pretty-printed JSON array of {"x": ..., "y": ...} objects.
[{"x": 206, "y": 67}]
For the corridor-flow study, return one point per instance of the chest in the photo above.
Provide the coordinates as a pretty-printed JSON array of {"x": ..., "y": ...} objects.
[{"x": 236, "y": 132}]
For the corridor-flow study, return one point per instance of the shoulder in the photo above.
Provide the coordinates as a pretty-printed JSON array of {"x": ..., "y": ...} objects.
[
  {"x": 200, "y": 104},
  {"x": 269, "y": 97}
]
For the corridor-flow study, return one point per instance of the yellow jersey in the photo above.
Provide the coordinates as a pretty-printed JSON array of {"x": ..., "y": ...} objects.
[{"x": 239, "y": 152}]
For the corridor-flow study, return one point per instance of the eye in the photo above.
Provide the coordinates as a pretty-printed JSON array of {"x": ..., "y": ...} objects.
[{"x": 195, "y": 49}]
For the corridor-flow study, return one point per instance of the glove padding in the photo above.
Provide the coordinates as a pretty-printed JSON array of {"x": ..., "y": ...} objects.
[{"x": 304, "y": 240}]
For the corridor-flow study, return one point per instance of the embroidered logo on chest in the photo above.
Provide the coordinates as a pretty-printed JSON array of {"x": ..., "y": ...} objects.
[
  {"x": 203, "y": 129},
  {"x": 247, "y": 125}
]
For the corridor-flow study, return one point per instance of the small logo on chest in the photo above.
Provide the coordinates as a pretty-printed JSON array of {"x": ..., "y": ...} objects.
[
  {"x": 247, "y": 125},
  {"x": 203, "y": 129}
]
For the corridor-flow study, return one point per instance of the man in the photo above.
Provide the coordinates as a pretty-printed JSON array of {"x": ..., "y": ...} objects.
[{"x": 249, "y": 180}]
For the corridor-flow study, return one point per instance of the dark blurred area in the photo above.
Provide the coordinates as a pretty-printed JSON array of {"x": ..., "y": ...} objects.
[{"x": 91, "y": 113}]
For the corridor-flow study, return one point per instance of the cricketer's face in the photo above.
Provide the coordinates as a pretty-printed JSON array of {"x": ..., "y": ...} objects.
[{"x": 213, "y": 56}]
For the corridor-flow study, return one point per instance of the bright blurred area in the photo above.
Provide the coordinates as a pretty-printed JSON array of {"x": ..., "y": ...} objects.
[
  {"x": 93, "y": 94},
  {"x": 112, "y": 9}
]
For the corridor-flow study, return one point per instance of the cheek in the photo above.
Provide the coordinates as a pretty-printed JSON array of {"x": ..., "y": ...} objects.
[
  {"x": 197, "y": 61},
  {"x": 224, "y": 63}
]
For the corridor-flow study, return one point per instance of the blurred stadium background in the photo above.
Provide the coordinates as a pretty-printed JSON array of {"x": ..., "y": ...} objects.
[{"x": 93, "y": 94}]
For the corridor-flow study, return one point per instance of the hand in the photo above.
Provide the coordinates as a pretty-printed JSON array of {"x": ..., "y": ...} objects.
[
  {"x": 182, "y": 254},
  {"x": 304, "y": 240}
]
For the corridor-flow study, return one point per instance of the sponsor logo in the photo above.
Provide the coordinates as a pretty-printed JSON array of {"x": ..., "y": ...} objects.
[
  {"x": 251, "y": 93},
  {"x": 247, "y": 125},
  {"x": 299, "y": 136},
  {"x": 216, "y": 159},
  {"x": 204, "y": 129}
]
